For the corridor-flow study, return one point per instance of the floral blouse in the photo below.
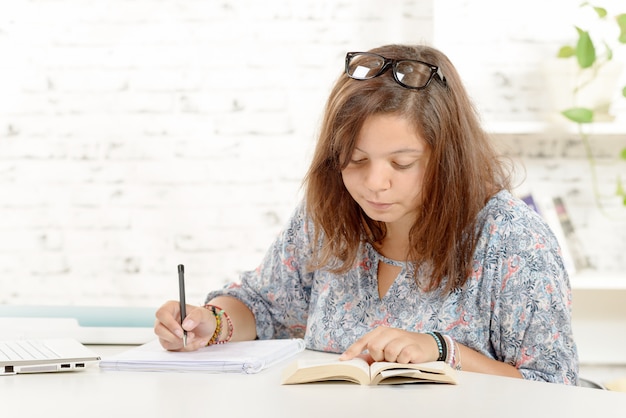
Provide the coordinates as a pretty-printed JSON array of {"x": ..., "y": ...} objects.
[{"x": 515, "y": 307}]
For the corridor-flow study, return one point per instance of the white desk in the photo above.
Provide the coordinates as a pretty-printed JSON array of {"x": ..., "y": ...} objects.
[{"x": 93, "y": 393}]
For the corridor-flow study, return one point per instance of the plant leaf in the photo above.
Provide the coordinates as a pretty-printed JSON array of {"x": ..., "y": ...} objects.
[
  {"x": 624, "y": 91},
  {"x": 566, "y": 52},
  {"x": 600, "y": 11},
  {"x": 620, "y": 191},
  {"x": 579, "y": 114},
  {"x": 609, "y": 51},
  {"x": 623, "y": 154},
  {"x": 585, "y": 50},
  {"x": 621, "y": 22}
]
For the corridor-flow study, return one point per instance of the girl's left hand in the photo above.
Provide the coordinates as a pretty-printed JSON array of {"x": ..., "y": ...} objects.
[{"x": 394, "y": 345}]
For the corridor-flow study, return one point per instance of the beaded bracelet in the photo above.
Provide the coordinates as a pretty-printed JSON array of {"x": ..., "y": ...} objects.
[
  {"x": 219, "y": 313},
  {"x": 218, "y": 327},
  {"x": 457, "y": 359},
  {"x": 444, "y": 347},
  {"x": 450, "y": 356},
  {"x": 454, "y": 354},
  {"x": 441, "y": 345}
]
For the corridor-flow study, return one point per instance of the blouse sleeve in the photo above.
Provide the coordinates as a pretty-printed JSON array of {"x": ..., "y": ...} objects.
[
  {"x": 278, "y": 291},
  {"x": 530, "y": 298}
]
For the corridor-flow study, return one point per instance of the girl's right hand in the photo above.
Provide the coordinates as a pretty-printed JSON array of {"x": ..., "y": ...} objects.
[{"x": 200, "y": 325}]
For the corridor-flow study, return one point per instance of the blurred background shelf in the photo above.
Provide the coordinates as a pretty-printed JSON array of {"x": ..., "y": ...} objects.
[
  {"x": 599, "y": 317},
  {"x": 594, "y": 280}
]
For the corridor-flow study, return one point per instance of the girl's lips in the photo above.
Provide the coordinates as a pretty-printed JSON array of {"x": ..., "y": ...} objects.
[{"x": 378, "y": 205}]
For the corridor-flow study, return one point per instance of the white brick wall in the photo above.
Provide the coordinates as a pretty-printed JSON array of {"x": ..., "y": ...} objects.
[{"x": 136, "y": 135}]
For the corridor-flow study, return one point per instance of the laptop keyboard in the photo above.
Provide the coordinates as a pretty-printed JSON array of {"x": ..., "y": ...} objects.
[{"x": 25, "y": 350}]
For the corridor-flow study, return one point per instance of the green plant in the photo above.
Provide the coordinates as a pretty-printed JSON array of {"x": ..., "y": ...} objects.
[{"x": 593, "y": 53}]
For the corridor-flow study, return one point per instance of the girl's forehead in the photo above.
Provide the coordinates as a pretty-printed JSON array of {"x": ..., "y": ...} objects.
[{"x": 390, "y": 133}]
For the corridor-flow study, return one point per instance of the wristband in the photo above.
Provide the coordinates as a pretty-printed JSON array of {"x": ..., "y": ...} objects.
[
  {"x": 441, "y": 345},
  {"x": 219, "y": 315}
]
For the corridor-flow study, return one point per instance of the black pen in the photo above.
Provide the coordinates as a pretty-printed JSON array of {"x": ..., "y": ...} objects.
[{"x": 183, "y": 304}]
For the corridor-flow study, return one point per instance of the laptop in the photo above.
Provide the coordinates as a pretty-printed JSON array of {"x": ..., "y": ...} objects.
[{"x": 44, "y": 355}]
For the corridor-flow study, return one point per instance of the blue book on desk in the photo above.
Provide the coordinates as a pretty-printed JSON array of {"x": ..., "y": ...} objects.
[{"x": 87, "y": 324}]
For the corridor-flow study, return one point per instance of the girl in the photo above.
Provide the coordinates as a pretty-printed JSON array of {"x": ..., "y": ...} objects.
[{"x": 408, "y": 244}]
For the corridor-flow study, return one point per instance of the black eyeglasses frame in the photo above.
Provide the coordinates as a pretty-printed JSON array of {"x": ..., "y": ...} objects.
[{"x": 388, "y": 63}]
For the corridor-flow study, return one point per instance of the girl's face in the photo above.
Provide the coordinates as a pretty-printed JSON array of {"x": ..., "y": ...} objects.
[{"x": 386, "y": 170}]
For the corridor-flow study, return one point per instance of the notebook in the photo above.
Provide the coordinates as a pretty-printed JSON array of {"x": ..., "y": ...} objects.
[
  {"x": 235, "y": 357},
  {"x": 44, "y": 355}
]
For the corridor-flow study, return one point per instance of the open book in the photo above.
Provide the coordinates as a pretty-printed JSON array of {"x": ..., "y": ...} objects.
[
  {"x": 237, "y": 357},
  {"x": 359, "y": 371}
]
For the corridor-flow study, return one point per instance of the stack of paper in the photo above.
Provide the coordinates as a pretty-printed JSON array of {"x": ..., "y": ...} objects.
[{"x": 239, "y": 357}]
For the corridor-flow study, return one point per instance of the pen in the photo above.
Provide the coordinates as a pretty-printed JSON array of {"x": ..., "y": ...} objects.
[{"x": 183, "y": 304}]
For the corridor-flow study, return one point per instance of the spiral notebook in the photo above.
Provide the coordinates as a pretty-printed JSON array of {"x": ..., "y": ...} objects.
[{"x": 234, "y": 357}]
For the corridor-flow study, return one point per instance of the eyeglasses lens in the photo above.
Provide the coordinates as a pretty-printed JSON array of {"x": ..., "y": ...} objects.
[
  {"x": 364, "y": 66},
  {"x": 412, "y": 74}
]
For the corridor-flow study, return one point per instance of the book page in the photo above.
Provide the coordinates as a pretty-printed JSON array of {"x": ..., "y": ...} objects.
[
  {"x": 395, "y": 373},
  {"x": 308, "y": 371}
]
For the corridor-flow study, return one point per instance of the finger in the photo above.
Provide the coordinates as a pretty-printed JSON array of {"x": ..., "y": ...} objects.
[
  {"x": 376, "y": 349},
  {"x": 406, "y": 356},
  {"x": 366, "y": 342},
  {"x": 171, "y": 342},
  {"x": 167, "y": 340},
  {"x": 355, "y": 349},
  {"x": 167, "y": 316},
  {"x": 390, "y": 351},
  {"x": 366, "y": 357},
  {"x": 194, "y": 342},
  {"x": 201, "y": 321},
  {"x": 379, "y": 341},
  {"x": 193, "y": 319},
  {"x": 164, "y": 333},
  {"x": 400, "y": 346},
  {"x": 408, "y": 348}
]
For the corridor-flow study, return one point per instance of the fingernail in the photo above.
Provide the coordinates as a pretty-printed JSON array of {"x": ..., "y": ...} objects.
[
  {"x": 188, "y": 323},
  {"x": 179, "y": 333}
]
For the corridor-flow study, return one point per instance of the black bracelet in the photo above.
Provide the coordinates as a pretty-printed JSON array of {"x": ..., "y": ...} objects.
[
  {"x": 441, "y": 345},
  {"x": 443, "y": 355}
]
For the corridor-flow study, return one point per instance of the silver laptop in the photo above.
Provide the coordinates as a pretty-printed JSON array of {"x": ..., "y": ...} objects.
[{"x": 44, "y": 355}]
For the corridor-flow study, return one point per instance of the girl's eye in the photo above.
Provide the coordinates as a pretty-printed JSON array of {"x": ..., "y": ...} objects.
[
  {"x": 359, "y": 161},
  {"x": 403, "y": 166}
]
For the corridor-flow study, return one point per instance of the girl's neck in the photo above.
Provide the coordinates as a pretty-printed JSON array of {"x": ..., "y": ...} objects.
[{"x": 395, "y": 245}]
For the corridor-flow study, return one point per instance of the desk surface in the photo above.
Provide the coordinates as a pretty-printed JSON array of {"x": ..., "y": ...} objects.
[{"x": 95, "y": 393}]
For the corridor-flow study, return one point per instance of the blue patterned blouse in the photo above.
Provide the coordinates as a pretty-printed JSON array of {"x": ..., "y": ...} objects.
[{"x": 515, "y": 308}]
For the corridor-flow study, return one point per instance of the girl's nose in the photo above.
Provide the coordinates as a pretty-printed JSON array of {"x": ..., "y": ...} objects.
[{"x": 377, "y": 177}]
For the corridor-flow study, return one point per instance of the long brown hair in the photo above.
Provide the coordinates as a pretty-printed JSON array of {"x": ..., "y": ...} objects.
[{"x": 463, "y": 172}]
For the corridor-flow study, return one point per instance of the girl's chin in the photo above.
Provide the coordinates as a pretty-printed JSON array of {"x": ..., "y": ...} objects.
[{"x": 380, "y": 217}]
